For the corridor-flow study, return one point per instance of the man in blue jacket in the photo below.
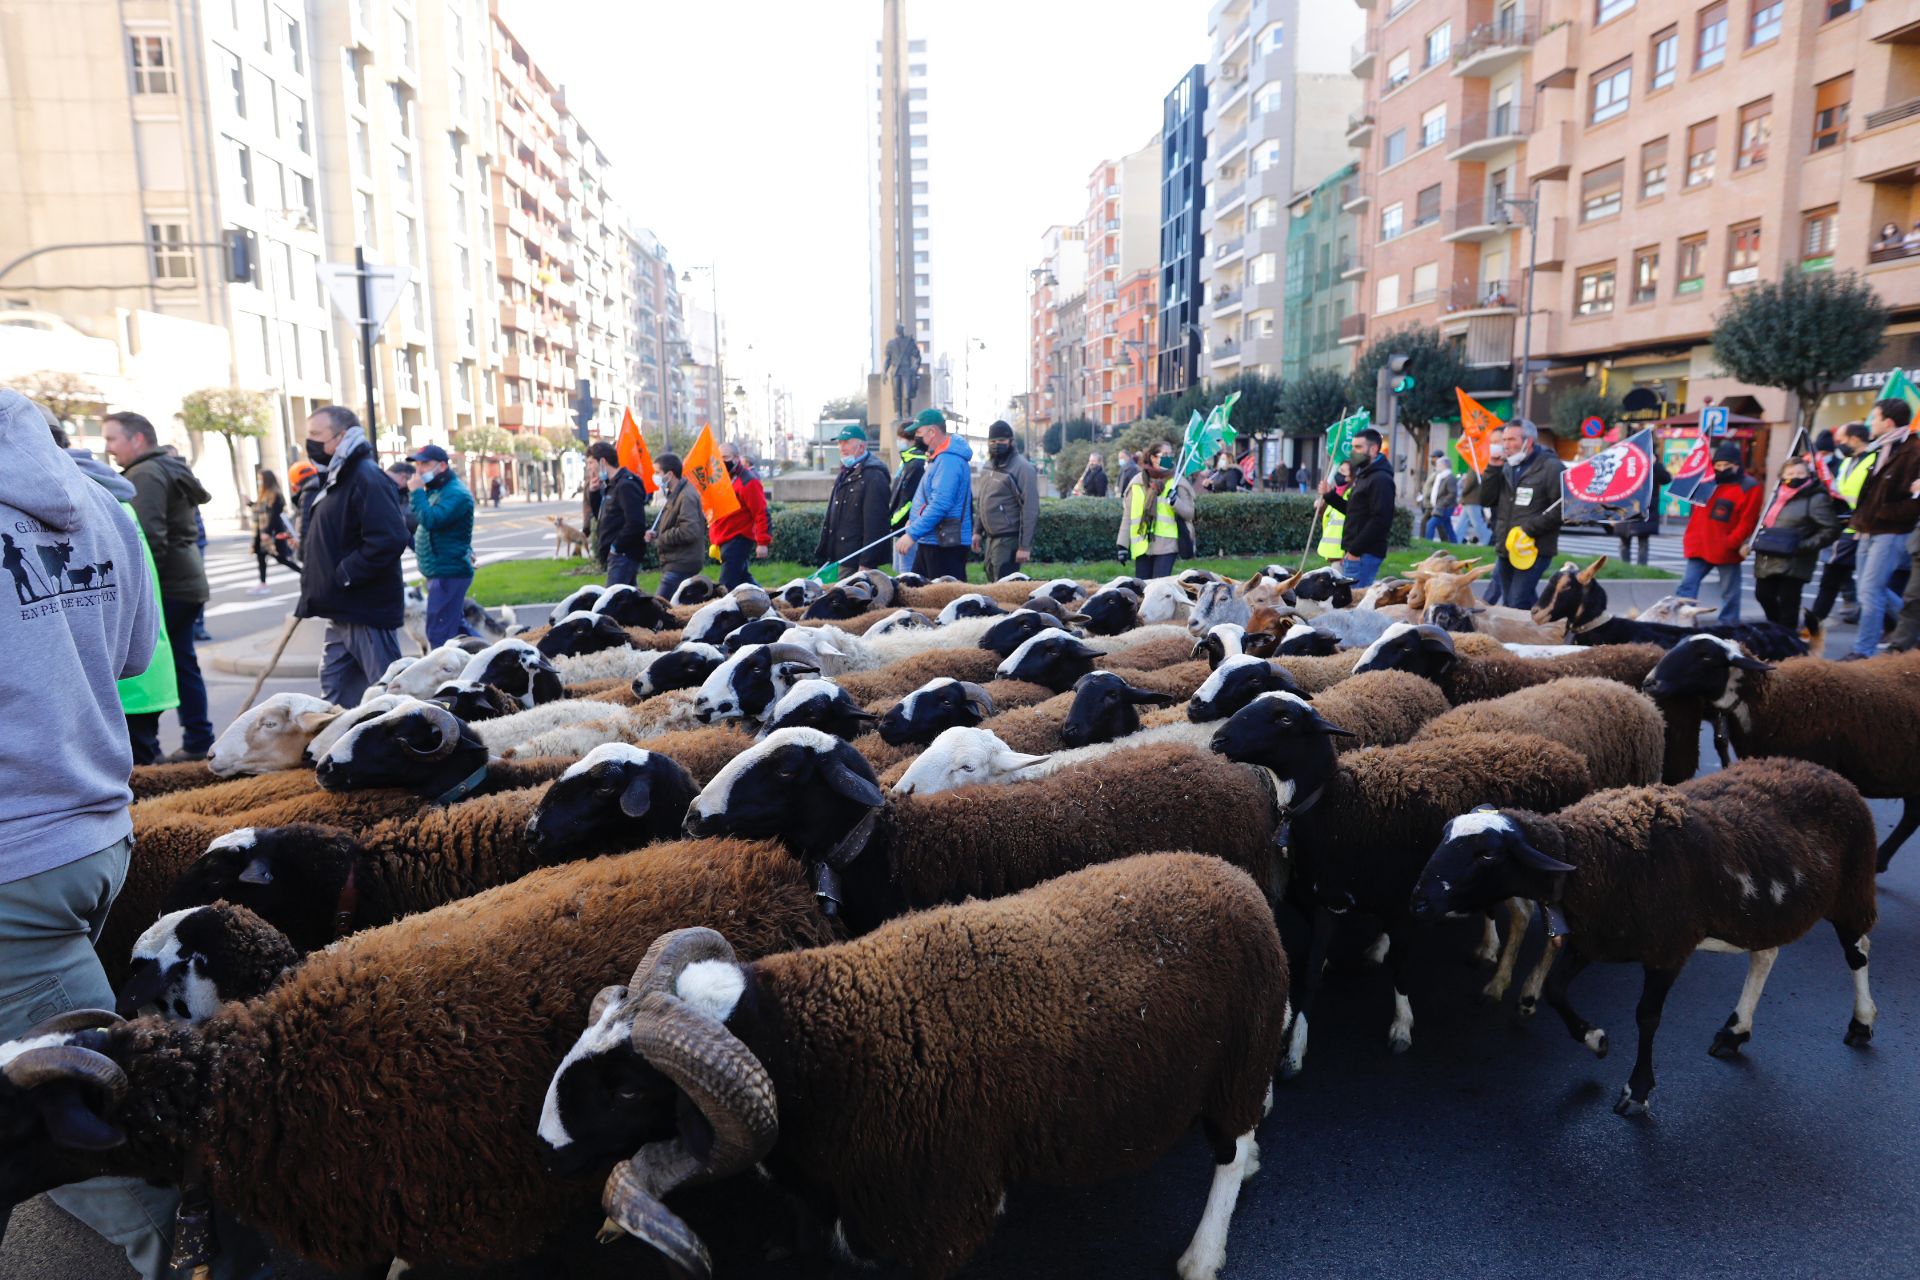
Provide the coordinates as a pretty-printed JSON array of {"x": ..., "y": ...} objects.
[
  {"x": 940, "y": 518},
  {"x": 442, "y": 541}
]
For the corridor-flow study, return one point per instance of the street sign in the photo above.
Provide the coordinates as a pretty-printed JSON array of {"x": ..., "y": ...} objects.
[
  {"x": 1713, "y": 420},
  {"x": 1593, "y": 428},
  {"x": 385, "y": 285}
]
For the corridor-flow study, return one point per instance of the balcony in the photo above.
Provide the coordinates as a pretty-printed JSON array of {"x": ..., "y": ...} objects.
[
  {"x": 1556, "y": 56},
  {"x": 1894, "y": 253},
  {"x": 1494, "y": 46},
  {"x": 1360, "y": 126},
  {"x": 1366, "y": 52},
  {"x": 1552, "y": 253},
  {"x": 1353, "y": 329},
  {"x": 514, "y": 415},
  {"x": 1489, "y": 297},
  {"x": 1893, "y": 24},
  {"x": 1888, "y": 150},
  {"x": 1550, "y": 151},
  {"x": 1227, "y": 352},
  {"x": 1491, "y": 132},
  {"x": 1907, "y": 110},
  {"x": 1478, "y": 220},
  {"x": 1227, "y": 301},
  {"x": 1353, "y": 196},
  {"x": 1228, "y": 195},
  {"x": 1351, "y": 266},
  {"x": 1224, "y": 148},
  {"x": 1228, "y": 250},
  {"x": 516, "y": 317}
]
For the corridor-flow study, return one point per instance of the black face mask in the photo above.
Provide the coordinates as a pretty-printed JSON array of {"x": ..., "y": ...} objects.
[
  {"x": 317, "y": 453},
  {"x": 1001, "y": 450}
]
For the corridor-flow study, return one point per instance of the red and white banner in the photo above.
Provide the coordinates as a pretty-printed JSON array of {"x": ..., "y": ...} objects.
[{"x": 1618, "y": 479}]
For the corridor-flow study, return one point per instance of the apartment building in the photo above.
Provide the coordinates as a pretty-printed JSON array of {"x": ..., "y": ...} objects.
[
  {"x": 1135, "y": 383},
  {"x": 1183, "y": 147},
  {"x": 659, "y": 334},
  {"x": 1053, "y": 371},
  {"x": 1121, "y": 236},
  {"x": 1321, "y": 241},
  {"x": 606, "y": 350},
  {"x": 1275, "y": 78},
  {"x": 918, "y": 210}
]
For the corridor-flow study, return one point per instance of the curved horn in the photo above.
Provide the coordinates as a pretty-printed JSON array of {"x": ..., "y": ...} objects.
[
  {"x": 54, "y": 1062},
  {"x": 719, "y": 1075},
  {"x": 977, "y": 698},
  {"x": 443, "y": 720},
  {"x": 672, "y": 952},
  {"x": 74, "y": 1020},
  {"x": 606, "y": 996},
  {"x": 632, "y": 1209},
  {"x": 786, "y": 651}
]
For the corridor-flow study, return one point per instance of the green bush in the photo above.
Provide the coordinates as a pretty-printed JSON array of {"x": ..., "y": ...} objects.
[{"x": 1226, "y": 524}]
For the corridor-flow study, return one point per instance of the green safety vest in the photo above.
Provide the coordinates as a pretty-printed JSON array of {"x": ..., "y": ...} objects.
[
  {"x": 1332, "y": 525},
  {"x": 914, "y": 454},
  {"x": 1164, "y": 523},
  {"x": 156, "y": 688},
  {"x": 1853, "y": 478}
]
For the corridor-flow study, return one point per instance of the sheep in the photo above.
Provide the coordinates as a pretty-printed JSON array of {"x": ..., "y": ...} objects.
[
  {"x": 1358, "y": 825},
  {"x": 938, "y": 595},
  {"x": 759, "y": 631},
  {"x": 504, "y": 732},
  {"x": 582, "y": 598},
  {"x": 899, "y": 620},
  {"x": 1018, "y": 627},
  {"x": 190, "y": 962},
  {"x": 1101, "y": 707},
  {"x": 685, "y": 666},
  {"x": 1233, "y": 684},
  {"x": 1110, "y": 610},
  {"x": 796, "y": 1062},
  {"x": 579, "y": 634},
  {"x": 935, "y": 706},
  {"x": 715, "y": 621},
  {"x": 517, "y": 668},
  {"x": 475, "y": 702},
  {"x": 1149, "y": 648},
  {"x": 818, "y": 704},
  {"x": 426, "y": 673},
  {"x": 879, "y": 857},
  {"x": 1353, "y": 628},
  {"x": 1060, "y": 591},
  {"x": 267, "y": 736},
  {"x": 1471, "y": 677},
  {"x": 909, "y": 673},
  {"x": 1052, "y": 658},
  {"x": 230, "y": 796},
  {"x": 1860, "y": 719},
  {"x": 1616, "y": 728},
  {"x": 746, "y": 685},
  {"x": 1167, "y": 600},
  {"x": 398, "y": 1067},
  {"x": 797, "y": 593},
  {"x": 973, "y": 605},
  {"x": 615, "y": 664},
  {"x": 1574, "y": 597},
  {"x": 1512, "y": 626},
  {"x": 1744, "y": 860},
  {"x": 151, "y": 780},
  {"x": 696, "y": 590}
]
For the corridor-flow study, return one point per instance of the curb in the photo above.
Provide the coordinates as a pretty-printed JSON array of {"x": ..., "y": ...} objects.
[{"x": 245, "y": 657}]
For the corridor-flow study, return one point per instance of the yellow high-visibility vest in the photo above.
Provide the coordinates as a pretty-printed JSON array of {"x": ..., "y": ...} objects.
[
  {"x": 1853, "y": 478},
  {"x": 1333, "y": 524},
  {"x": 1164, "y": 523}
]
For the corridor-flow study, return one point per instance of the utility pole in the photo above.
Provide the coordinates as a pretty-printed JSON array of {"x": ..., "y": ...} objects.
[
  {"x": 1532, "y": 207},
  {"x": 366, "y": 339}
]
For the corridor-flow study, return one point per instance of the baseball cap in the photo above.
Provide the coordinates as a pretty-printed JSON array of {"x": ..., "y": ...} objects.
[
  {"x": 931, "y": 418},
  {"x": 853, "y": 433},
  {"x": 428, "y": 453}
]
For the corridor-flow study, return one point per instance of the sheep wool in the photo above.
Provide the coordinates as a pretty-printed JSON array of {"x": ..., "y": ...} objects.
[
  {"x": 151, "y": 780},
  {"x": 231, "y": 795},
  {"x": 936, "y": 596},
  {"x": 1619, "y": 731},
  {"x": 1476, "y": 678},
  {"x": 897, "y": 679},
  {"x": 1380, "y": 708}
]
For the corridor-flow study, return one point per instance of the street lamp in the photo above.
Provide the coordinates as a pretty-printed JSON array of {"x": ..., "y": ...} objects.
[{"x": 1532, "y": 208}]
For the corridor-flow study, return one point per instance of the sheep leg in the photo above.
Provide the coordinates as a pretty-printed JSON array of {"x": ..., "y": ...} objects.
[
  {"x": 1739, "y": 1029},
  {"x": 1487, "y": 953},
  {"x": 1579, "y": 1028},
  {"x": 1208, "y": 1251},
  {"x": 1519, "y": 911},
  {"x": 1296, "y": 1056},
  {"x": 1537, "y": 978},
  {"x": 1909, "y": 820},
  {"x": 1400, "y": 964},
  {"x": 1860, "y": 1027},
  {"x": 1653, "y": 998}
]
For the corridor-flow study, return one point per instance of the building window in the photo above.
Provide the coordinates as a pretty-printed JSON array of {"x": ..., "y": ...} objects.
[
  {"x": 1693, "y": 265},
  {"x": 1595, "y": 291},
  {"x": 403, "y": 29},
  {"x": 1666, "y": 58},
  {"x": 1390, "y": 221},
  {"x": 1653, "y": 169},
  {"x": 1817, "y": 238},
  {"x": 152, "y": 63},
  {"x": 1600, "y": 191},
  {"x": 1743, "y": 253},
  {"x": 1841, "y": 8},
  {"x": 1265, "y": 212},
  {"x": 1701, "y": 141},
  {"x": 1830, "y": 102},
  {"x": 1646, "y": 275},
  {"x": 290, "y": 37},
  {"x": 1270, "y": 40},
  {"x": 1711, "y": 49},
  {"x": 1611, "y": 87},
  {"x": 1270, "y": 99},
  {"x": 402, "y": 111},
  {"x": 237, "y": 78},
  {"x": 240, "y": 162},
  {"x": 1433, "y": 127},
  {"x": 1426, "y": 283},
  {"x": 1756, "y": 130},
  {"x": 403, "y": 171},
  {"x": 300, "y": 195},
  {"x": 1765, "y": 22},
  {"x": 1607, "y": 10},
  {"x": 1399, "y": 70},
  {"x": 1439, "y": 44},
  {"x": 1265, "y": 269},
  {"x": 167, "y": 245},
  {"x": 1386, "y": 293},
  {"x": 1426, "y": 206},
  {"x": 1394, "y": 149},
  {"x": 296, "y": 109}
]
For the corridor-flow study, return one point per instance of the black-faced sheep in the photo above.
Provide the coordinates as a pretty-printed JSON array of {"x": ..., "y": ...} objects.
[
  {"x": 818, "y": 704},
  {"x": 190, "y": 962},
  {"x": 630, "y": 607},
  {"x": 1472, "y": 677},
  {"x": 748, "y": 684},
  {"x": 400, "y": 1067},
  {"x": 1018, "y": 627},
  {"x": 1573, "y": 596},
  {"x": 1744, "y": 860},
  {"x": 973, "y": 605},
  {"x": 583, "y": 633},
  {"x": 685, "y": 666},
  {"x": 933, "y": 708},
  {"x": 759, "y": 631},
  {"x": 800, "y": 1061},
  {"x": 696, "y": 590},
  {"x": 516, "y": 668},
  {"x": 475, "y": 702}
]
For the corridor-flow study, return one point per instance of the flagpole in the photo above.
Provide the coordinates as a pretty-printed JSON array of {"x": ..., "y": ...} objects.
[{"x": 885, "y": 537}]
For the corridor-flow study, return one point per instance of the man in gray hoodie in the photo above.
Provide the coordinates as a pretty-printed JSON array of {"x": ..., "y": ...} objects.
[{"x": 69, "y": 631}]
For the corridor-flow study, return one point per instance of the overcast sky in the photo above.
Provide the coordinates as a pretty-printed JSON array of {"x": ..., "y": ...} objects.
[{"x": 738, "y": 134}]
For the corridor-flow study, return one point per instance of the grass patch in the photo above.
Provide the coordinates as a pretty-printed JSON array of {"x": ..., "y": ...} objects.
[{"x": 545, "y": 581}]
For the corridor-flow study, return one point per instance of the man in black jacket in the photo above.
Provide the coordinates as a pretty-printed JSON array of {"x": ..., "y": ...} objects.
[
  {"x": 1523, "y": 487},
  {"x": 913, "y": 464},
  {"x": 1368, "y": 504},
  {"x": 351, "y": 553},
  {"x": 857, "y": 510},
  {"x": 622, "y": 537}
]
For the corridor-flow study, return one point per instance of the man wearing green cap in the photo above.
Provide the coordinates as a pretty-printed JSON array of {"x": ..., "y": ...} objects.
[
  {"x": 857, "y": 508},
  {"x": 940, "y": 520}
]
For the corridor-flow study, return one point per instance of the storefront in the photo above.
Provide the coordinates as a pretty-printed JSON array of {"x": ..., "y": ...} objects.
[{"x": 1850, "y": 401}]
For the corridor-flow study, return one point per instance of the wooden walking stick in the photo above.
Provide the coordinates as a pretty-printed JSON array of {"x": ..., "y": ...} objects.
[{"x": 286, "y": 634}]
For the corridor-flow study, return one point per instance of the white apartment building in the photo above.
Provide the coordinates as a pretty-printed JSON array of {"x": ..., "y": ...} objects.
[{"x": 926, "y": 259}]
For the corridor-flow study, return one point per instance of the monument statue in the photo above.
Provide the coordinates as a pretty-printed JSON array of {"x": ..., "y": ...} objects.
[{"x": 903, "y": 366}]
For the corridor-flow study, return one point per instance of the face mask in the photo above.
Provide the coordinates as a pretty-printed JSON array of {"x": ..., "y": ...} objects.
[
  {"x": 848, "y": 462},
  {"x": 1001, "y": 450},
  {"x": 317, "y": 453}
]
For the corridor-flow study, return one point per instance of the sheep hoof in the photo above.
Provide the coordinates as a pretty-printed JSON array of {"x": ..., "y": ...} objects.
[
  {"x": 1596, "y": 1040},
  {"x": 1727, "y": 1042},
  {"x": 1858, "y": 1032},
  {"x": 1399, "y": 1042},
  {"x": 1529, "y": 1005},
  {"x": 1493, "y": 992},
  {"x": 1630, "y": 1105},
  {"x": 609, "y": 1232}
]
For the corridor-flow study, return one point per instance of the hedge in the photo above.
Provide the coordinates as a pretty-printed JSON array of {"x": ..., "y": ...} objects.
[{"x": 1076, "y": 529}]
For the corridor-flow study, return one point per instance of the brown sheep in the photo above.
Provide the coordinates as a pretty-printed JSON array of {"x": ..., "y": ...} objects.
[
  {"x": 902, "y": 677},
  {"x": 230, "y": 795},
  {"x": 1476, "y": 671},
  {"x": 1618, "y": 730},
  {"x": 151, "y": 780},
  {"x": 938, "y": 595}
]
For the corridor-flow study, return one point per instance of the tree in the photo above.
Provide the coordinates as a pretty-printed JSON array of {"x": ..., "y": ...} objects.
[
  {"x": 1079, "y": 429},
  {"x": 1801, "y": 333},
  {"x": 1313, "y": 402},
  {"x": 1257, "y": 411},
  {"x": 484, "y": 441},
  {"x": 1069, "y": 465},
  {"x": 233, "y": 413},
  {"x": 1436, "y": 371},
  {"x": 854, "y": 407},
  {"x": 1148, "y": 431},
  {"x": 70, "y": 396},
  {"x": 1052, "y": 438},
  {"x": 1575, "y": 405}
]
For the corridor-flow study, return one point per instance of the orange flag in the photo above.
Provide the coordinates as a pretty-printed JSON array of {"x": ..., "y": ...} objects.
[
  {"x": 633, "y": 451},
  {"x": 709, "y": 478},
  {"x": 1477, "y": 425}
]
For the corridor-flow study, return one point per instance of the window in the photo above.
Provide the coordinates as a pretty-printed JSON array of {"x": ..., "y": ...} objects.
[
  {"x": 1426, "y": 283},
  {"x": 403, "y": 171},
  {"x": 1386, "y": 293},
  {"x": 152, "y": 63},
  {"x": 1394, "y": 149},
  {"x": 1701, "y": 140},
  {"x": 1653, "y": 169},
  {"x": 1765, "y": 22},
  {"x": 167, "y": 245},
  {"x": 1426, "y": 206},
  {"x": 1610, "y": 90},
  {"x": 1439, "y": 44},
  {"x": 1841, "y": 8},
  {"x": 1666, "y": 58},
  {"x": 363, "y": 219},
  {"x": 402, "y": 111},
  {"x": 403, "y": 30},
  {"x": 457, "y": 81},
  {"x": 362, "y": 150},
  {"x": 1270, "y": 40},
  {"x": 240, "y": 168},
  {"x": 236, "y": 77},
  {"x": 1433, "y": 127},
  {"x": 1817, "y": 237},
  {"x": 1607, "y": 10},
  {"x": 1265, "y": 269},
  {"x": 456, "y": 31},
  {"x": 1399, "y": 70},
  {"x": 1693, "y": 264},
  {"x": 296, "y": 112},
  {"x": 1390, "y": 221},
  {"x": 1756, "y": 130},
  {"x": 290, "y": 37},
  {"x": 1830, "y": 102},
  {"x": 1270, "y": 99},
  {"x": 1743, "y": 253},
  {"x": 1710, "y": 50},
  {"x": 1265, "y": 156},
  {"x": 1600, "y": 191},
  {"x": 1646, "y": 275},
  {"x": 1595, "y": 291},
  {"x": 299, "y": 195},
  {"x": 1265, "y": 212}
]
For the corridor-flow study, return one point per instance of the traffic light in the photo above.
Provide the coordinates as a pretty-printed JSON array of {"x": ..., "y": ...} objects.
[
  {"x": 583, "y": 407},
  {"x": 238, "y": 244},
  {"x": 1402, "y": 380}
]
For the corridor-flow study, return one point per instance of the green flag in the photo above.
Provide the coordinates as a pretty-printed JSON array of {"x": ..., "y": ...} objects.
[
  {"x": 1340, "y": 437},
  {"x": 1900, "y": 388},
  {"x": 828, "y": 573}
]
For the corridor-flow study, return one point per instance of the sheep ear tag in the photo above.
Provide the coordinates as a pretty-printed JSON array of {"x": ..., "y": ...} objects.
[{"x": 637, "y": 797}]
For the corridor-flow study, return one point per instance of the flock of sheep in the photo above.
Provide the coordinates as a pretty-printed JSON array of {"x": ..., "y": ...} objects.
[{"x": 658, "y": 895}]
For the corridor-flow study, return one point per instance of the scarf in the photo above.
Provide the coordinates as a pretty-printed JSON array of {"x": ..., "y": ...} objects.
[
  {"x": 351, "y": 443},
  {"x": 1154, "y": 480}
]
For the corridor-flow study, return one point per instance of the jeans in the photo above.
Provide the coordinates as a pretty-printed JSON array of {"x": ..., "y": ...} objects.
[
  {"x": 622, "y": 571},
  {"x": 1626, "y": 546},
  {"x": 353, "y": 657},
  {"x": 1438, "y": 522},
  {"x": 1362, "y": 569},
  {"x": 931, "y": 560},
  {"x": 903, "y": 561},
  {"x": 998, "y": 552},
  {"x": 1476, "y": 521},
  {"x": 196, "y": 730},
  {"x": 1837, "y": 577},
  {"x": 1881, "y": 556},
  {"x": 736, "y": 561},
  {"x": 1516, "y": 588},
  {"x": 670, "y": 582},
  {"x": 446, "y": 609},
  {"x": 1160, "y": 566},
  {"x": 48, "y": 923},
  {"x": 1779, "y": 599},
  {"x": 1696, "y": 574}
]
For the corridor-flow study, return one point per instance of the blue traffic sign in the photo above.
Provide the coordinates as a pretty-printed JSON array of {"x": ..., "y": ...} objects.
[
  {"x": 1593, "y": 428},
  {"x": 1713, "y": 420}
]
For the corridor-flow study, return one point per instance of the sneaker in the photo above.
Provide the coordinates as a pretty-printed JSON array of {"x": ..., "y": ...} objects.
[
  {"x": 1850, "y": 615},
  {"x": 201, "y": 633},
  {"x": 183, "y": 756},
  {"x": 1852, "y": 657},
  {"x": 262, "y": 590}
]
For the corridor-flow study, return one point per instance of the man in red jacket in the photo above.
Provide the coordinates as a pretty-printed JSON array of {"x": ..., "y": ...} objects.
[
  {"x": 742, "y": 533},
  {"x": 1719, "y": 529}
]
